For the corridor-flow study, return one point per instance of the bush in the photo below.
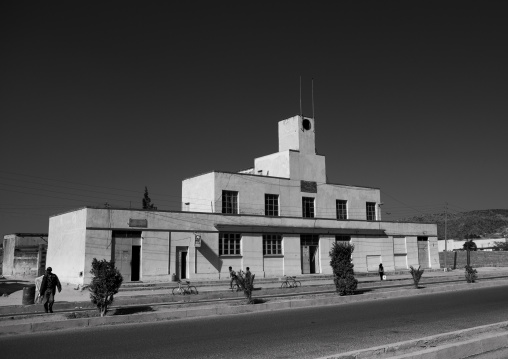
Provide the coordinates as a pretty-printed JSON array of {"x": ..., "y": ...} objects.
[
  {"x": 342, "y": 266},
  {"x": 416, "y": 273},
  {"x": 471, "y": 274},
  {"x": 105, "y": 284},
  {"x": 246, "y": 283}
]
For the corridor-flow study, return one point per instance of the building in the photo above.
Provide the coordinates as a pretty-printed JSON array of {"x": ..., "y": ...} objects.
[
  {"x": 279, "y": 217},
  {"x": 24, "y": 254}
]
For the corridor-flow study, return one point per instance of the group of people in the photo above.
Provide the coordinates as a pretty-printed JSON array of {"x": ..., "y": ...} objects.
[{"x": 47, "y": 289}]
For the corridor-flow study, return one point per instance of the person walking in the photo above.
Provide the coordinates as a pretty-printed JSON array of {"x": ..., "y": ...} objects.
[
  {"x": 232, "y": 275},
  {"x": 381, "y": 271},
  {"x": 48, "y": 289}
]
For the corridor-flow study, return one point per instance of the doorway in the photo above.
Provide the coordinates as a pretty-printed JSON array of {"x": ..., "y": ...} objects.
[
  {"x": 181, "y": 262},
  {"x": 309, "y": 253},
  {"x": 423, "y": 252},
  {"x": 136, "y": 256}
]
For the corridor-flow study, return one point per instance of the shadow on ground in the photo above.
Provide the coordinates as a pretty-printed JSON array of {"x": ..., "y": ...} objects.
[
  {"x": 133, "y": 310},
  {"x": 10, "y": 286}
]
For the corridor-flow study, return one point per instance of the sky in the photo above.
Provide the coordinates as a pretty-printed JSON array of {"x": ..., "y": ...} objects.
[{"x": 100, "y": 99}]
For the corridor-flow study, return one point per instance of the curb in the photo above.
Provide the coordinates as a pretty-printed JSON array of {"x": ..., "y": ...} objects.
[
  {"x": 451, "y": 345},
  {"x": 194, "y": 312}
]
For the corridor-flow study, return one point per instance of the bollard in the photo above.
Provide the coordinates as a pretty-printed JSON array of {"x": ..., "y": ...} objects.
[{"x": 28, "y": 295}]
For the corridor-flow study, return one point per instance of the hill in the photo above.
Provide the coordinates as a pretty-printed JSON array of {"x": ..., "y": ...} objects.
[{"x": 489, "y": 223}]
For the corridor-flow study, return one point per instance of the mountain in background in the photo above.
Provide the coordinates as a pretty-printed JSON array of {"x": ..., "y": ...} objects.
[{"x": 489, "y": 223}]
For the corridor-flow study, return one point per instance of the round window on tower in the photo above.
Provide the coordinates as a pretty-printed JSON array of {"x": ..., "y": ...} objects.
[{"x": 306, "y": 125}]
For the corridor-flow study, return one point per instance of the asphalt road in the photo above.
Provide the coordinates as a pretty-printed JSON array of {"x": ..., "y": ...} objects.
[{"x": 296, "y": 333}]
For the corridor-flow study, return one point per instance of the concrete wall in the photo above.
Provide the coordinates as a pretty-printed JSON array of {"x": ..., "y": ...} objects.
[
  {"x": 199, "y": 193},
  {"x": 453, "y": 244},
  {"x": 98, "y": 245},
  {"x": 275, "y": 165},
  {"x": 66, "y": 246},
  {"x": 458, "y": 259},
  {"x": 21, "y": 254},
  {"x": 307, "y": 167}
]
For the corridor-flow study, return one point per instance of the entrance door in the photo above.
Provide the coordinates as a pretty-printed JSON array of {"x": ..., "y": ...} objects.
[
  {"x": 313, "y": 253},
  {"x": 181, "y": 262},
  {"x": 423, "y": 252},
  {"x": 136, "y": 256},
  {"x": 309, "y": 253},
  {"x": 183, "y": 265}
]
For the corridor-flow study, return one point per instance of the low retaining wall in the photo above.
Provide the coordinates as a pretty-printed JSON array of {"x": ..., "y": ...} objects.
[{"x": 458, "y": 259}]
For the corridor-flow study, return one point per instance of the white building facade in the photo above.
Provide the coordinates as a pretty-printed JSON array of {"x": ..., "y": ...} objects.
[{"x": 279, "y": 217}]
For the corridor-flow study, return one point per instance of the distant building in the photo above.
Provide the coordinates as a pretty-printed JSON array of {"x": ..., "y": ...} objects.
[
  {"x": 24, "y": 254},
  {"x": 483, "y": 244},
  {"x": 279, "y": 217}
]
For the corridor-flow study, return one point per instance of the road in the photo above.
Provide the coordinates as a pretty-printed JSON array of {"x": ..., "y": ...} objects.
[{"x": 296, "y": 333}]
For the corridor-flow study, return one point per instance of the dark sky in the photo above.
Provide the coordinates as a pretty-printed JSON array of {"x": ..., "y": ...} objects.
[{"x": 98, "y": 100}]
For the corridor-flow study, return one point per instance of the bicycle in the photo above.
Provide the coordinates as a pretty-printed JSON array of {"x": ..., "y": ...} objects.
[
  {"x": 189, "y": 289},
  {"x": 290, "y": 282}
]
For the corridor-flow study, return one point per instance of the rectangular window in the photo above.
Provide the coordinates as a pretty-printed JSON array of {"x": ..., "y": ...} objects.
[
  {"x": 341, "y": 209},
  {"x": 271, "y": 204},
  {"x": 342, "y": 238},
  {"x": 308, "y": 207},
  {"x": 230, "y": 202},
  {"x": 371, "y": 211},
  {"x": 272, "y": 244},
  {"x": 229, "y": 244}
]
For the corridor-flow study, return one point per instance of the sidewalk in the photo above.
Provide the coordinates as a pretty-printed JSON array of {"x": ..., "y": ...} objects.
[{"x": 309, "y": 282}]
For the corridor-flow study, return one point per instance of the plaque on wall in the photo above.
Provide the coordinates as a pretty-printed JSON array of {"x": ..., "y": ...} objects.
[
  {"x": 308, "y": 186},
  {"x": 138, "y": 223},
  {"x": 197, "y": 240}
]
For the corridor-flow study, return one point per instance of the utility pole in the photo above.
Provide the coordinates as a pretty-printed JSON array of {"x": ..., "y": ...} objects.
[{"x": 445, "y": 237}]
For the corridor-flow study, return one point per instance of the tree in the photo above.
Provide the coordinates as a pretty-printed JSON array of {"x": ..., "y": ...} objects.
[
  {"x": 105, "y": 283},
  {"x": 147, "y": 202},
  {"x": 500, "y": 246},
  {"x": 342, "y": 266},
  {"x": 472, "y": 246}
]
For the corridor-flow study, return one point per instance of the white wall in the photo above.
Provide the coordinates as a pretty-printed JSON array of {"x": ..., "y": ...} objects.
[{"x": 66, "y": 246}]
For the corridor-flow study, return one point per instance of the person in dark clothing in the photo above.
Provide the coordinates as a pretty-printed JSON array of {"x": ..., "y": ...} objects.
[
  {"x": 232, "y": 275},
  {"x": 48, "y": 289},
  {"x": 381, "y": 271}
]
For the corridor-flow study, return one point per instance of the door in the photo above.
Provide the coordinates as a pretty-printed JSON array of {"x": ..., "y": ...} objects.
[
  {"x": 181, "y": 262},
  {"x": 305, "y": 260},
  {"x": 313, "y": 253},
  {"x": 136, "y": 260},
  {"x": 309, "y": 253},
  {"x": 423, "y": 252},
  {"x": 183, "y": 268}
]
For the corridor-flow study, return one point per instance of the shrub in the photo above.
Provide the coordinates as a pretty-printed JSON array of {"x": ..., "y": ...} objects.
[
  {"x": 246, "y": 283},
  {"x": 105, "y": 284},
  {"x": 342, "y": 266},
  {"x": 471, "y": 274},
  {"x": 416, "y": 273}
]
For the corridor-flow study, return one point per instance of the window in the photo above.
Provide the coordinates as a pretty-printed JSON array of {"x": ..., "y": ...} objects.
[
  {"x": 308, "y": 207},
  {"x": 272, "y": 244},
  {"x": 342, "y": 238},
  {"x": 271, "y": 205},
  {"x": 371, "y": 211},
  {"x": 229, "y": 244},
  {"x": 341, "y": 209},
  {"x": 229, "y": 202}
]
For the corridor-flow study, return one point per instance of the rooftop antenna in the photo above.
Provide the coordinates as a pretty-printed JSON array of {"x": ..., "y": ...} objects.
[
  {"x": 313, "y": 98},
  {"x": 301, "y": 113}
]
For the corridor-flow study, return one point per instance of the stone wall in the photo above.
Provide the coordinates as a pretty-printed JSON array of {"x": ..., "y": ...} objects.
[{"x": 458, "y": 259}]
